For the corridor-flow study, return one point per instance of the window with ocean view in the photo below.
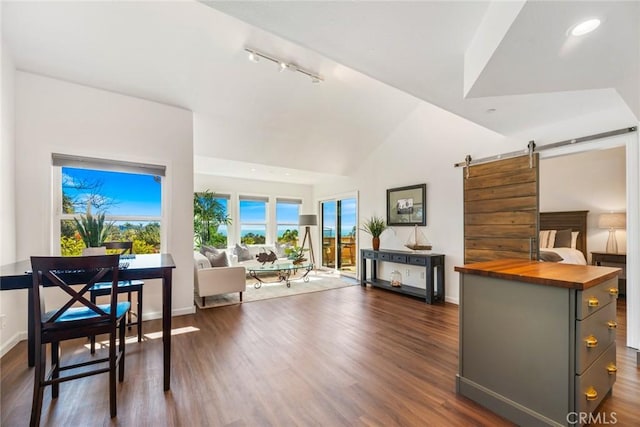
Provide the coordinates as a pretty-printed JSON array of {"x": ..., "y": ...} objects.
[
  {"x": 287, "y": 213},
  {"x": 253, "y": 220},
  {"x": 120, "y": 206}
]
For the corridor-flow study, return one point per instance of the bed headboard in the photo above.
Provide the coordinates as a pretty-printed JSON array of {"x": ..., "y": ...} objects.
[{"x": 575, "y": 220}]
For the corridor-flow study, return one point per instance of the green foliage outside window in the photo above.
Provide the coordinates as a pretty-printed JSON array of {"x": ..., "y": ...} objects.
[
  {"x": 289, "y": 236},
  {"x": 208, "y": 215},
  {"x": 253, "y": 239}
]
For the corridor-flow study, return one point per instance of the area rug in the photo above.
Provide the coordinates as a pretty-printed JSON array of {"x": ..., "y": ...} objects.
[{"x": 318, "y": 281}]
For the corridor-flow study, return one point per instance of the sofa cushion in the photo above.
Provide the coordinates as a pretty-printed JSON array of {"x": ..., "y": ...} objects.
[
  {"x": 243, "y": 253},
  {"x": 218, "y": 259}
]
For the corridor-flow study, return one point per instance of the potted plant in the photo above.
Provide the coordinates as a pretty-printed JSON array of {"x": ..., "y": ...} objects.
[
  {"x": 296, "y": 254},
  {"x": 374, "y": 226},
  {"x": 92, "y": 229}
]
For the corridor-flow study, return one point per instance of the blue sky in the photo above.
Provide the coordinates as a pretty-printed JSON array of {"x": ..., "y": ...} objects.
[{"x": 131, "y": 194}]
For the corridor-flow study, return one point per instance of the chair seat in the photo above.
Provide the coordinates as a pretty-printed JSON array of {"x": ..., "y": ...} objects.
[
  {"x": 82, "y": 313},
  {"x": 123, "y": 286}
]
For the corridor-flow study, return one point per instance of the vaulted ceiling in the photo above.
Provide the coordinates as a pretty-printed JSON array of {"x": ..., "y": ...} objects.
[{"x": 508, "y": 66}]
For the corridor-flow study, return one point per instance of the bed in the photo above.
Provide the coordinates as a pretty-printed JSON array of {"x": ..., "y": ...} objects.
[{"x": 554, "y": 228}]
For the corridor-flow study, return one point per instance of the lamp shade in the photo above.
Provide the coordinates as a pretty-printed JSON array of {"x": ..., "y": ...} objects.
[
  {"x": 612, "y": 220},
  {"x": 308, "y": 219}
]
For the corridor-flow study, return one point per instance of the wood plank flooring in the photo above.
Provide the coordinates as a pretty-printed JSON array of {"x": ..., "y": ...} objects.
[{"x": 345, "y": 357}]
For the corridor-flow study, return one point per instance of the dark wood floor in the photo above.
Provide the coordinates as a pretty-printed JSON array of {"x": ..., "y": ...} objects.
[{"x": 344, "y": 357}]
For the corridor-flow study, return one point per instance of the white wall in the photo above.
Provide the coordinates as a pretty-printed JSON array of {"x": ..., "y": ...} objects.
[
  {"x": 13, "y": 304},
  {"x": 593, "y": 181},
  {"x": 235, "y": 187},
  {"x": 56, "y": 116},
  {"x": 423, "y": 149}
]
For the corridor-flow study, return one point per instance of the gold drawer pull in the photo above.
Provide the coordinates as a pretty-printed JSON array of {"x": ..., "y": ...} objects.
[
  {"x": 591, "y": 393},
  {"x": 613, "y": 291},
  {"x": 612, "y": 324},
  {"x": 593, "y": 302},
  {"x": 591, "y": 341},
  {"x": 612, "y": 369}
]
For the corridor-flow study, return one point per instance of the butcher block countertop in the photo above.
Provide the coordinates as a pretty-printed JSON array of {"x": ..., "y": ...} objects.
[{"x": 569, "y": 276}]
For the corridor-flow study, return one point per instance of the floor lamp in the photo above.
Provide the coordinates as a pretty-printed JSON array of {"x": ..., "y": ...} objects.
[{"x": 307, "y": 220}]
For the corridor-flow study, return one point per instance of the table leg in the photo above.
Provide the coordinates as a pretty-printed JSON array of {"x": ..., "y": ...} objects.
[
  {"x": 166, "y": 326},
  {"x": 429, "y": 273},
  {"x": 31, "y": 343},
  {"x": 258, "y": 283}
]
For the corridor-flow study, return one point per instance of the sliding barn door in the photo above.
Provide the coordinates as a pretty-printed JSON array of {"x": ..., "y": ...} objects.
[{"x": 501, "y": 210}]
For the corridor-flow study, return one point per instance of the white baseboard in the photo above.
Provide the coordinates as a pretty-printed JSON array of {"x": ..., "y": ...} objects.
[
  {"x": 455, "y": 301},
  {"x": 15, "y": 339},
  {"x": 175, "y": 312}
]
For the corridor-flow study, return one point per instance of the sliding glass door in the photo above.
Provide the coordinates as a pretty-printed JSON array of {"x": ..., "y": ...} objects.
[{"x": 339, "y": 222}]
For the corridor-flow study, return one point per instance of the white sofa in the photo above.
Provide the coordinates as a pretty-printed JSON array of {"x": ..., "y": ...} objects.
[
  {"x": 254, "y": 250},
  {"x": 216, "y": 280}
]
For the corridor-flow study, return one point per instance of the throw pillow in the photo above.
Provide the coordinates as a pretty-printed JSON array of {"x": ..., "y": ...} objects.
[
  {"x": 550, "y": 256},
  {"x": 243, "y": 253},
  {"x": 563, "y": 239},
  {"x": 217, "y": 260},
  {"x": 281, "y": 249},
  {"x": 204, "y": 249}
]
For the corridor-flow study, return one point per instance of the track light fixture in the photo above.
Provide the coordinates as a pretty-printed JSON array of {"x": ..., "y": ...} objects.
[{"x": 254, "y": 56}]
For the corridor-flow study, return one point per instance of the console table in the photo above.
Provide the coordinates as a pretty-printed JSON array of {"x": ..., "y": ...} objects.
[{"x": 434, "y": 269}]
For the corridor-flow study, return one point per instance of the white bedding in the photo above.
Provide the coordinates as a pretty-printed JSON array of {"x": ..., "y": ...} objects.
[{"x": 569, "y": 256}]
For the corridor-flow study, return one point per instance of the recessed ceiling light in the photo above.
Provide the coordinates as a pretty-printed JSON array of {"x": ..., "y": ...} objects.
[
  {"x": 253, "y": 169},
  {"x": 585, "y": 27}
]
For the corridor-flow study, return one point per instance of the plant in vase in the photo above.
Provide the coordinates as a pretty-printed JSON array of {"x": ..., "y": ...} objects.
[
  {"x": 296, "y": 254},
  {"x": 92, "y": 229},
  {"x": 374, "y": 225}
]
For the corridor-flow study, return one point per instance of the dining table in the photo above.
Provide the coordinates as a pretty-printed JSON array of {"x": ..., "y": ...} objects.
[{"x": 135, "y": 267}]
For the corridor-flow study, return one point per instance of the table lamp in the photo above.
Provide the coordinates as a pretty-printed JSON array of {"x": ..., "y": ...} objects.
[{"x": 612, "y": 221}]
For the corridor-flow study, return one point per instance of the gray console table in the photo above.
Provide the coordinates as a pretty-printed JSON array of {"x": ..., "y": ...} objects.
[{"x": 434, "y": 272}]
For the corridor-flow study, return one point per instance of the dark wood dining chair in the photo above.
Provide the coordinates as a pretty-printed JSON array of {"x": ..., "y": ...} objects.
[
  {"x": 77, "y": 318},
  {"x": 126, "y": 286}
]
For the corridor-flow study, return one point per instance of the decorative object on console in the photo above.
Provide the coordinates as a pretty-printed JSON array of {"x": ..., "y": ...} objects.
[
  {"x": 418, "y": 241},
  {"x": 307, "y": 220},
  {"x": 407, "y": 205},
  {"x": 612, "y": 221},
  {"x": 374, "y": 226},
  {"x": 396, "y": 279},
  {"x": 264, "y": 257}
]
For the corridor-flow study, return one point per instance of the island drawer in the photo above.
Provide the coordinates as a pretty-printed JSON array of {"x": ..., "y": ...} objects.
[
  {"x": 594, "y": 335},
  {"x": 593, "y": 299},
  {"x": 596, "y": 382}
]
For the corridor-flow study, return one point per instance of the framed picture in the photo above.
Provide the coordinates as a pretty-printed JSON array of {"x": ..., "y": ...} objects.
[{"x": 407, "y": 205}]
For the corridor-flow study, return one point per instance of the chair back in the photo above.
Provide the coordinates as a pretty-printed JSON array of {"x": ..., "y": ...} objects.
[
  {"x": 124, "y": 247},
  {"x": 62, "y": 272}
]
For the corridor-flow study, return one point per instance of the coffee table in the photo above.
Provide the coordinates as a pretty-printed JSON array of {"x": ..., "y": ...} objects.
[{"x": 282, "y": 270}]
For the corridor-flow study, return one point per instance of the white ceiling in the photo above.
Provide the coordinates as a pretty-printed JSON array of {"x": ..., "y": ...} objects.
[{"x": 379, "y": 61}]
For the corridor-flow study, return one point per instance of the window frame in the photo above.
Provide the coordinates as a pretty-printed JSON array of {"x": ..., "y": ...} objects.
[{"x": 104, "y": 165}]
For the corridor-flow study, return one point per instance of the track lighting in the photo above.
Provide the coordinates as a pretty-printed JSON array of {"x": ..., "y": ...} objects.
[{"x": 254, "y": 56}]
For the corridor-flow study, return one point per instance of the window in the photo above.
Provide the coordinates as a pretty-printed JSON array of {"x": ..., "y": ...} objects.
[
  {"x": 211, "y": 217},
  {"x": 287, "y": 213},
  {"x": 129, "y": 203},
  {"x": 253, "y": 220}
]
